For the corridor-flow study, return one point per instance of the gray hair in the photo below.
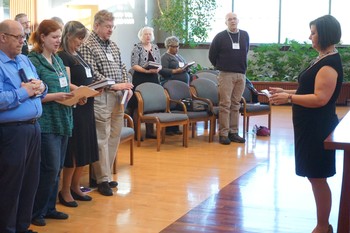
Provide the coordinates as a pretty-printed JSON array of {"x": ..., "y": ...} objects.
[
  {"x": 142, "y": 30},
  {"x": 102, "y": 16},
  {"x": 20, "y": 15},
  {"x": 171, "y": 40}
]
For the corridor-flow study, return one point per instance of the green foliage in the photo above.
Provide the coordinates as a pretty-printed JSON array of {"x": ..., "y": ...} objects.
[
  {"x": 276, "y": 62},
  {"x": 189, "y": 20}
]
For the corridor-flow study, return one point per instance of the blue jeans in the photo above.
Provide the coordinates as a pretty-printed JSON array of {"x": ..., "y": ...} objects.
[{"x": 53, "y": 151}]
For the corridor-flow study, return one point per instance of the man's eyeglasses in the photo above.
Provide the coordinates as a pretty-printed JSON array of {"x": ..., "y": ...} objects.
[
  {"x": 26, "y": 22},
  {"x": 18, "y": 37},
  {"x": 174, "y": 46},
  {"x": 110, "y": 27}
]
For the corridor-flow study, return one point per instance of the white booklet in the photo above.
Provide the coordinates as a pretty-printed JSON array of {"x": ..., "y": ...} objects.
[
  {"x": 80, "y": 92},
  {"x": 102, "y": 83},
  {"x": 187, "y": 65}
]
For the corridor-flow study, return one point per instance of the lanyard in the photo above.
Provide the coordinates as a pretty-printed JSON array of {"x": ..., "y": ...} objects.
[{"x": 231, "y": 37}]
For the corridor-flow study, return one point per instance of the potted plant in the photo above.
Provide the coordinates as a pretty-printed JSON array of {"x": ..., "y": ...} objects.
[{"x": 189, "y": 20}]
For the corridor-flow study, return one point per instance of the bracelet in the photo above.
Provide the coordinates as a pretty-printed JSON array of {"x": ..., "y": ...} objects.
[{"x": 290, "y": 101}]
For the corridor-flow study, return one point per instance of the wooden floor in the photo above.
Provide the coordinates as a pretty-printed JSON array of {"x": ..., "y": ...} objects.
[{"x": 206, "y": 187}]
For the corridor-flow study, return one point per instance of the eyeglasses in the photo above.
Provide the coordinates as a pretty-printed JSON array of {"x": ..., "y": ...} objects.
[
  {"x": 26, "y": 22},
  {"x": 109, "y": 27},
  {"x": 174, "y": 46},
  {"x": 18, "y": 37}
]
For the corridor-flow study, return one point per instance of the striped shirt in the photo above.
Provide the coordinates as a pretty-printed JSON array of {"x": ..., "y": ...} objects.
[{"x": 96, "y": 52}]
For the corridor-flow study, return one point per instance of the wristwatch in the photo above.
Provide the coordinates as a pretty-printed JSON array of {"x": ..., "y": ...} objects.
[{"x": 290, "y": 99}]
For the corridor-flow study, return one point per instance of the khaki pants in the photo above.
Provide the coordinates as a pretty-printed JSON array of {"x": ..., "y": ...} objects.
[
  {"x": 109, "y": 115},
  {"x": 231, "y": 87}
]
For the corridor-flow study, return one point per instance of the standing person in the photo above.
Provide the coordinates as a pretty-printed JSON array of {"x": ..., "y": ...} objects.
[
  {"x": 19, "y": 130},
  {"x": 314, "y": 114},
  {"x": 228, "y": 53},
  {"x": 56, "y": 122},
  {"x": 82, "y": 146},
  {"x": 104, "y": 57},
  {"x": 172, "y": 62},
  {"x": 23, "y": 20},
  {"x": 143, "y": 52}
]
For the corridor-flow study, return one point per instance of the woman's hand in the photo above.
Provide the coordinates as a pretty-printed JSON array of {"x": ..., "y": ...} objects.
[
  {"x": 62, "y": 95},
  {"x": 82, "y": 101},
  {"x": 274, "y": 90},
  {"x": 279, "y": 98}
]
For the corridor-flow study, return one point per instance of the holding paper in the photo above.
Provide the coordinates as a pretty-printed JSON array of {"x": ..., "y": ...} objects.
[{"x": 80, "y": 92}]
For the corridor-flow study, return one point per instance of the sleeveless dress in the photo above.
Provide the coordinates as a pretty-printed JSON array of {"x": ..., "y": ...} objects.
[{"x": 313, "y": 125}]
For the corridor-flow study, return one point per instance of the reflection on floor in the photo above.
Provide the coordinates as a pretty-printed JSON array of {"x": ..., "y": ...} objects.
[{"x": 206, "y": 187}]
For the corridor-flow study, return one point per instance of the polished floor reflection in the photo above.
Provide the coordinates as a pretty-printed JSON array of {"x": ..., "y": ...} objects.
[{"x": 206, "y": 187}]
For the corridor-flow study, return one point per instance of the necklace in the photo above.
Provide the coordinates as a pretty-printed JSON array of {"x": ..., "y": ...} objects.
[{"x": 323, "y": 55}]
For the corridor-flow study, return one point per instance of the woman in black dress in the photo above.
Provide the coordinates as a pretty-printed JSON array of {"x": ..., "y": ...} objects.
[
  {"x": 82, "y": 146},
  {"x": 314, "y": 114},
  {"x": 143, "y": 52}
]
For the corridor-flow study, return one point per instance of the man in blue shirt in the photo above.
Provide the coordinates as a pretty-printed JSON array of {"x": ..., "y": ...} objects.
[{"x": 20, "y": 107}]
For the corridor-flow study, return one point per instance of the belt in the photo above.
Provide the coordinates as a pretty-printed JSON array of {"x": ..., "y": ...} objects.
[{"x": 17, "y": 123}]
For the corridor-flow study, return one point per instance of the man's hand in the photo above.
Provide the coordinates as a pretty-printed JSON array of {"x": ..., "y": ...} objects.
[
  {"x": 122, "y": 86},
  {"x": 34, "y": 87}
]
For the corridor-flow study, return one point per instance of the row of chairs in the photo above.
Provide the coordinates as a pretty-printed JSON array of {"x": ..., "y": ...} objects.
[{"x": 159, "y": 105}]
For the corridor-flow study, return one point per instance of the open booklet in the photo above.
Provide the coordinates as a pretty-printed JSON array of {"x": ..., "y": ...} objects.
[
  {"x": 80, "y": 92},
  {"x": 152, "y": 65},
  {"x": 102, "y": 83},
  {"x": 187, "y": 65}
]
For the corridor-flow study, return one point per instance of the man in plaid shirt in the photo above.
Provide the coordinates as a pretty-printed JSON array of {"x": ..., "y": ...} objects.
[{"x": 104, "y": 57}]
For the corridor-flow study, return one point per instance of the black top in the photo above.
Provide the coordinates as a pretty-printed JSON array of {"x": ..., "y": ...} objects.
[
  {"x": 313, "y": 125},
  {"x": 224, "y": 57},
  {"x": 82, "y": 146}
]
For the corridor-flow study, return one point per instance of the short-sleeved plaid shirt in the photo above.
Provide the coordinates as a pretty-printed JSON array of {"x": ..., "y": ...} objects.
[{"x": 95, "y": 51}]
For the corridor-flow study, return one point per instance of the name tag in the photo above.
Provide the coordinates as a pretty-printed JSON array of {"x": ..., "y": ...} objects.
[
  {"x": 63, "y": 81},
  {"x": 88, "y": 72},
  {"x": 109, "y": 57},
  {"x": 235, "y": 45}
]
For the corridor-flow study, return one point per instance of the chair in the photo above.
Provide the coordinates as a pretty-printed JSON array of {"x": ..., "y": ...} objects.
[
  {"x": 250, "y": 106},
  {"x": 206, "y": 89},
  {"x": 127, "y": 135},
  {"x": 154, "y": 107},
  {"x": 176, "y": 91},
  {"x": 208, "y": 74}
]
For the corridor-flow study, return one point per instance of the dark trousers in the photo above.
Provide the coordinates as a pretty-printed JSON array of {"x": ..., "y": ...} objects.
[{"x": 19, "y": 175}]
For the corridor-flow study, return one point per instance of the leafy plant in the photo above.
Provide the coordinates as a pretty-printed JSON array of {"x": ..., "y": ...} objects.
[
  {"x": 189, "y": 20},
  {"x": 276, "y": 62}
]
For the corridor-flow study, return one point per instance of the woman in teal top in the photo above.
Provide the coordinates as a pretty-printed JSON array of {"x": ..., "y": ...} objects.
[{"x": 56, "y": 121}]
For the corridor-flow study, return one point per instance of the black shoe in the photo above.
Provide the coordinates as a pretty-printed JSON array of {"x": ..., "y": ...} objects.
[
  {"x": 56, "y": 215},
  {"x": 66, "y": 203},
  {"x": 234, "y": 137},
  {"x": 80, "y": 198},
  {"x": 104, "y": 189},
  {"x": 27, "y": 231},
  {"x": 224, "y": 140},
  {"x": 39, "y": 222},
  {"x": 170, "y": 133},
  {"x": 151, "y": 136},
  {"x": 178, "y": 132},
  {"x": 113, "y": 184}
]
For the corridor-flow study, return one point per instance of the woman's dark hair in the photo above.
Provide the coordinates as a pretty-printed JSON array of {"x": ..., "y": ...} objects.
[{"x": 328, "y": 30}]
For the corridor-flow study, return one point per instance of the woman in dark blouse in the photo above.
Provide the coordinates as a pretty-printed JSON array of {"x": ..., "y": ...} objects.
[
  {"x": 314, "y": 114},
  {"x": 82, "y": 146}
]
